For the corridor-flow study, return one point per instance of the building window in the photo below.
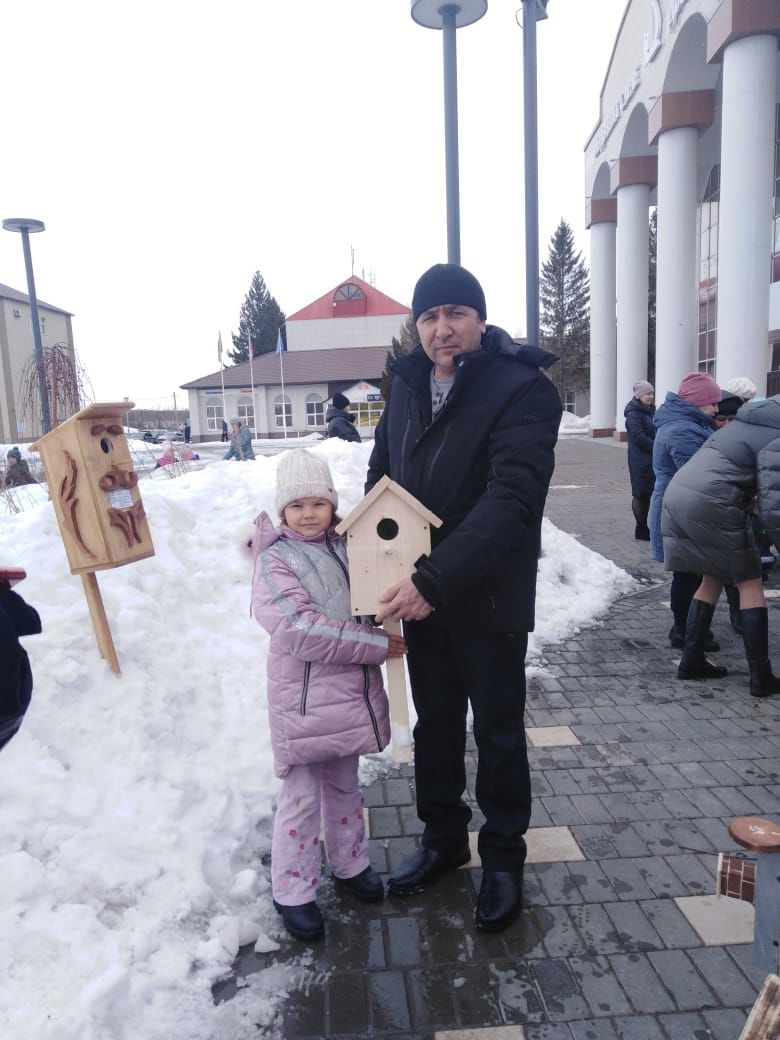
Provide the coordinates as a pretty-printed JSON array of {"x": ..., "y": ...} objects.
[
  {"x": 568, "y": 397},
  {"x": 368, "y": 413},
  {"x": 776, "y": 223},
  {"x": 214, "y": 417},
  {"x": 245, "y": 412},
  {"x": 282, "y": 411},
  {"x": 348, "y": 291},
  {"x": 708, "y": 274},
  {"x": 315, "y": 410}
]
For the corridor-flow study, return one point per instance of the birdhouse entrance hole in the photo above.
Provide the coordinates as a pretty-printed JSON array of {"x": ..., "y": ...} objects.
[
  {"x": 106, "y": 445},
  {"x": 387, "y": 529}
]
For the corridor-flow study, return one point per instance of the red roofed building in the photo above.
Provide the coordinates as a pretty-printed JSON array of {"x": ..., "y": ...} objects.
[{"x": 337, "y": 344}]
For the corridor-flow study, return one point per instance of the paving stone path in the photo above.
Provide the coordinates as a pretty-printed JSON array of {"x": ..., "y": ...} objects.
[{"x": 636, "y": 776}]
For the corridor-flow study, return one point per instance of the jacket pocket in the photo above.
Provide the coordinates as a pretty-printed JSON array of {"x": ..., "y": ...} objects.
[{"x": 305, "y": 690}]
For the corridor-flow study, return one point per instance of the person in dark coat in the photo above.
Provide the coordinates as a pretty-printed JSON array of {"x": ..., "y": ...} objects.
[
  {"x": 17, "y": 618},
  {"x": 640, "y": 430},
  {"x": 187, "y": 433},
  {"x": 707, "y": 529},
  {"x": 340, "y": 422},
  {"x": 17, "y": 471},
  {"x": 225, "y": 437},
  {"x": 683, "y": 423},
  {"x": 469, "y": 430}
]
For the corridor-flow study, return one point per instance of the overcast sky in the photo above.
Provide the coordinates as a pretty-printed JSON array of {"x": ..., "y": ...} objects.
[{"x": 174, "y": 148}]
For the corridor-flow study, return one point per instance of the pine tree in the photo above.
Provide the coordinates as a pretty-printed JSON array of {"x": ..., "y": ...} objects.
[
  {"x": 260, "y": 317},
  {"x": 564, "y": 292},
  {"x": 409, "y": 339}
]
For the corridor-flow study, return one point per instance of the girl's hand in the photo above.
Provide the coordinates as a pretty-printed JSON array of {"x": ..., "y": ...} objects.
[{"x": 396, "y": 646}]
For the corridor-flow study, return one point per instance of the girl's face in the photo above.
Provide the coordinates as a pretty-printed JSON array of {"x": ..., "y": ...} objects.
[
  {"x": 647, "y": 399},
  {"x": 709, "y": 409},
  {"x": 308, "y": 516}
]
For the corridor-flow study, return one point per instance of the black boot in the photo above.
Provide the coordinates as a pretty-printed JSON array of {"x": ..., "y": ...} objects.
[
  {"x": 693, "y": 664},
  {"x": 755, "y": 636},
  {"x": 732, "y": 595},
  {"x": 677, "y": 638}
]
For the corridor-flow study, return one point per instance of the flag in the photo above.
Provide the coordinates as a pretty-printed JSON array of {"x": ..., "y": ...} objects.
[
  {"x": 219, "y": 348},
  {"x": 280, "y": 348}
]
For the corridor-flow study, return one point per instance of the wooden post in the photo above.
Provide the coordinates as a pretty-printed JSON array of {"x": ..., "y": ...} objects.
[
  {"x": 399, "y": 707},
  {"x": 764, "y": 1020},
  {"x": 99, "y": 620},
  {"x": 763, "y": 837}
]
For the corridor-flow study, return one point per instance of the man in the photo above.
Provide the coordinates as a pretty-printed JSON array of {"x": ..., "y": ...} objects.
[
  {"x": 340, "y": 422},
  {"x": 469, "y": 430}
]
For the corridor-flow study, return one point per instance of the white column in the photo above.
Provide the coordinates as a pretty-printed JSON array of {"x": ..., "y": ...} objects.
[
  {"x": 632, "y": 277},
  {"x": 602, "y": 326},
  {"x": 745, "y": 242},
  {"x": 676, "y": 324}
]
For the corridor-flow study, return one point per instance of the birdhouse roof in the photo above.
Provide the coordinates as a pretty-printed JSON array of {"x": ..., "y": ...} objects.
[
  {"x": 99, "y": 410},
  {"x": 387, "y": 486}
]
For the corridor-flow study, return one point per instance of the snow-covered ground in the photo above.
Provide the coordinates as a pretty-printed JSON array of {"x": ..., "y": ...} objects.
[{"x": 136, "y": 809}]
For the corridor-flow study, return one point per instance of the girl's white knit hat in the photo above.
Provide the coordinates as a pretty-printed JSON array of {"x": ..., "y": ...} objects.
[{"x": 302, "y": 475}]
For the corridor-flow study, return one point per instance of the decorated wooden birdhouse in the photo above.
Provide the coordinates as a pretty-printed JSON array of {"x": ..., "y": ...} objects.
[
  {"x": 386, "y": 533},
  {"x": 94, "y": 489}
]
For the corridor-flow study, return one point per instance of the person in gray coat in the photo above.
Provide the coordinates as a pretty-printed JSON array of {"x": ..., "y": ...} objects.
[{"x": 707, "y": 529}]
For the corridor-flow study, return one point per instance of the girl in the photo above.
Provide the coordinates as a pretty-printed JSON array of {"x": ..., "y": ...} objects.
[{"x": 326, "y": 702}]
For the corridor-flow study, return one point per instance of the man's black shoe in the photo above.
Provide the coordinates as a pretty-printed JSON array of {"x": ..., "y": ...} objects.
[
  {"x": 500, "y": 900},
  {"x": 367, "y": 885},
  {"x": 303, "y": 921},
  {"x": 423, "y": 868}
]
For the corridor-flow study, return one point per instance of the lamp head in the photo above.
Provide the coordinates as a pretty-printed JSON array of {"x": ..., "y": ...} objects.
[{"x": 23, "y": 224}]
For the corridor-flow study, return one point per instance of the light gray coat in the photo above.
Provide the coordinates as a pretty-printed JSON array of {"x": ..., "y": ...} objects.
[{"x": 707, "y": 508}]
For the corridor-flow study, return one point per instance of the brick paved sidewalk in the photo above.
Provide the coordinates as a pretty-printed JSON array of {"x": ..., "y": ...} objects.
[{"x": 636, "y": 776}]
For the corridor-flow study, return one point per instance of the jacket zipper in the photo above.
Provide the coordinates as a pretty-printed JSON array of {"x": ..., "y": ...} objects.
[
  {"x": 336, "y": 557},
  {"x": 305, "y": 691},
  {"x": 371, "y": 714}
]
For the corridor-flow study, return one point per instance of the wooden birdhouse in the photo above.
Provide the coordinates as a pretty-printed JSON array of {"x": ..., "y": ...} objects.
[
  {"x": 386, "y": 534},
  {"x": 94, "y": 489}
]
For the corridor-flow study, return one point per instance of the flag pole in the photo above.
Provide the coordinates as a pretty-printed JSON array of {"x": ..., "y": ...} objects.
[
  {"x": 280, "y": 352},
  {"x": 252, "y": 383},
  {"x": 222, "y": 378}
]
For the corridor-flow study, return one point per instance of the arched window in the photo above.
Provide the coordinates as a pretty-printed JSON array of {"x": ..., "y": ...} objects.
[
  {"x": 315, "y": 410},
  {"x": 282, "y": 411},
  {"x": 708, "y": 273},
  {"x": 349, "y": 300}
]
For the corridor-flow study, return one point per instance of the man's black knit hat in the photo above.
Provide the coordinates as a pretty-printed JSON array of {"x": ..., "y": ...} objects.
[{"x": 448, "y": 283}]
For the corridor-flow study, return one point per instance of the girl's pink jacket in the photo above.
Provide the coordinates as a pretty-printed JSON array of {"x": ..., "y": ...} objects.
[{"x": 325, "y": 694}]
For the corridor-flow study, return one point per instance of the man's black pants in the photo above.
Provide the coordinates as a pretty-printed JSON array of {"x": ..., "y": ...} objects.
[{"x": 448, "y": 667}]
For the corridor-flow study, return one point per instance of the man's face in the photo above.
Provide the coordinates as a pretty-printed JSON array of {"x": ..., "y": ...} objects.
[{"x": 447, "y": 331}]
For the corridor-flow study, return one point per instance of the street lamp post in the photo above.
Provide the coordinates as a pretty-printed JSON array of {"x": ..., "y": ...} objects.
[
  {"x": 533, "y": 11},
  {"x": 448, "y": 17},
  {"x": 27, "y": 227}
]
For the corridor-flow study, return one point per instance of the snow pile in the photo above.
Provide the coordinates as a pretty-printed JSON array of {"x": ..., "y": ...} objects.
[
  {"x": 573, "y": 424},
  {"x": 136, "y": 810}
]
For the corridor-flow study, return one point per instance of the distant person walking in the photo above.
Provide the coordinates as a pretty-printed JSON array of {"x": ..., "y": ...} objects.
[
  {"x": 683, "y": 423},
  {"x": 240, "y": 442},
  {"x": 340, "y": 422},
  {"x": 640, "y": 430},
  {"x": 225, "y": 437},
  {"x": 187, "y": 433}
]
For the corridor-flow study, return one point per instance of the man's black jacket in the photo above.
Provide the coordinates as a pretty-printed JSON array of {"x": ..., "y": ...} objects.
[
  {"x": 340, "y": 425},
  {"x": 484, "y": 467},
  {"x": 17, "y": 618}
]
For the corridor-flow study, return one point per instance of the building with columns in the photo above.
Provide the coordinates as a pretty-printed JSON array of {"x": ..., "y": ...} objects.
[{"x": 689, "y": 123}]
